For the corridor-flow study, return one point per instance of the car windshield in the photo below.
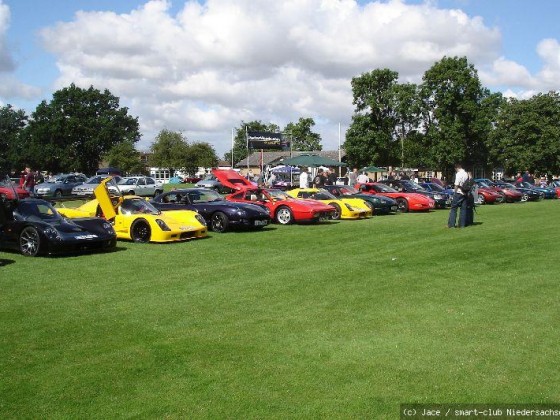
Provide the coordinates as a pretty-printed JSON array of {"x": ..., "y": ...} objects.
[
  {"x": 323, "y": 195},
  {"x": 127, "y": 181},
  {"x": 33, "y": 210},
  {"x": 138, "y": 206},
  {"x": 347, "y": 191},
  {"x": 413, "y": 186},
  {"x": 278, "y": 195},
  {"x": 95, "y": 180},
  {"x": 484, "y": 184},
  {"x": 384, "y": 188},
  {"x": 204, "y": 196},
  {"x": 436, "y": 187}
]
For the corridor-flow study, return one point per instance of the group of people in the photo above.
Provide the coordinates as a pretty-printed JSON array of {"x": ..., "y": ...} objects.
[
  {"x": 28, "y": 179},
  {"x": 528, "y": 177},
  {"x": 323, "y": 177}
]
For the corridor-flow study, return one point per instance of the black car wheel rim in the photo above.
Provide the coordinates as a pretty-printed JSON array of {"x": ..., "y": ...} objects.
[
  {"x": 402, "y": 205},
  {"x": 284, "y": 216},
  {"x": 218, "y": 223},
  {"x": 58, "y": 193},
  {"x": 141, "y": 232},
  {"x": 29, "y": 242}
]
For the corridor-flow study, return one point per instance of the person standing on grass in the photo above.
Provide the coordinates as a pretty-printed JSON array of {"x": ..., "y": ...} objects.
[{"x": 459, "y": 199}]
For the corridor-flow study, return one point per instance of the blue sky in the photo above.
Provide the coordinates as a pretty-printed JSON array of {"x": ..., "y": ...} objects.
[{"x": 205, "y": 68}]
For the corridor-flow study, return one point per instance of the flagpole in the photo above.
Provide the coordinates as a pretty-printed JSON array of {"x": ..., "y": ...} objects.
[
  {"x": 247, "y": 138},
  {"x": 232, "y": 143},
  {"x": 339, "y": 152}
]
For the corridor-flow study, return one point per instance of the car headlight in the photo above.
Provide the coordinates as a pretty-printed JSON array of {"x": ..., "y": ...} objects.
[
  {"x": 163, "y": 226},
  {"x": 438, "y": 196},
  {"x": 108, "y": 228},
  {"x": 200, "y": 219},
  {"x": 51, "y": 233}
]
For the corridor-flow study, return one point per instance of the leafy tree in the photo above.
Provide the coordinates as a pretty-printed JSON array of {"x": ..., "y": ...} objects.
[
  {"x": 302, "y": 137},
  {"x": 527, "y": 135},
  {"x": 240, "y": 150},
  {"x": 455, "y": 122},
  {"x": 370, "y": 137},
  {"x": 75, "y": 129},
  {"x": 169, "y": 150},
  {"x": 12, "y": 123},
  {"x": 125, "y": 157},
  {"x": 200, "y": 154}
]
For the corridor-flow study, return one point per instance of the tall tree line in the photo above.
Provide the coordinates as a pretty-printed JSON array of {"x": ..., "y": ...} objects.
[{"x": 450, "y": 117}]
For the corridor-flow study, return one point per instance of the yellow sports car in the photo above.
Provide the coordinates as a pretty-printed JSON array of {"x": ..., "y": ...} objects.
[
  {"x": 346, "y": 208},
  {"x": 135, "y": 219}
]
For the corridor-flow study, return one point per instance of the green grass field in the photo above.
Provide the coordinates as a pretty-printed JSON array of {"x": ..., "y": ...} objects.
[{"x": 338, "y": 320}]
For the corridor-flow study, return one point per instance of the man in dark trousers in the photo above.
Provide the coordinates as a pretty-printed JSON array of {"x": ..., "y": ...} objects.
[{"x": 459, "y": 199}]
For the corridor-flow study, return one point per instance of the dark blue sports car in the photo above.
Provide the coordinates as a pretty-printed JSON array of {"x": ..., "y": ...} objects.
[
  {"x": 548, "y": 192},
  {"x": 218, "y": 213},
  {"x": 32, "y": 226}
]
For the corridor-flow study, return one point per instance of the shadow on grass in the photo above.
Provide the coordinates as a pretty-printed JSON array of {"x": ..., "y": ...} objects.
[{"x": 4, "y": 262}]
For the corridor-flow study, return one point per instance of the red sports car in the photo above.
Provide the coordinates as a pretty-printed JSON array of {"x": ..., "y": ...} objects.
[
  {"x": 556, "y": 185},
  {"x": 8, "y": 193},
  {"x": 405, "y": 201},
  {"x": 510, "y": 195},
  {"x": 283, "y": 208},
  {"x": 489, "y": 196}
]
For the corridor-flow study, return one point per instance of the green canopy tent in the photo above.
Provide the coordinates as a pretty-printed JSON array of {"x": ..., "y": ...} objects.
[{"x": 312, "y": 161}]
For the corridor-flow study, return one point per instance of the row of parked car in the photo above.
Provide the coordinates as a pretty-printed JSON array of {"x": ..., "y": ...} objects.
[
  {"x": 35, "y": 225},
  {"x": 78, "y": 185}
]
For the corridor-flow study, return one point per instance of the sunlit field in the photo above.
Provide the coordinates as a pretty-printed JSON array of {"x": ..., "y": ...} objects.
[{"x": 336, "y": 320}]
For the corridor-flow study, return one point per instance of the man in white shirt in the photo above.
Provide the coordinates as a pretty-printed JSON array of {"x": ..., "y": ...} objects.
[
  {"x": 363, "y": 178},
  {"x": 459, "y": 199},
  {"x": 303, "y": 179}
]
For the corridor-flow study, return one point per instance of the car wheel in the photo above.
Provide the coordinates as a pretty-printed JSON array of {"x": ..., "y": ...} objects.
[
  {"x": 284, "y": 216},
  {"x": 29, "y": 241},
  {"x": 140, "y": 231},
  {"x": 58, "y": 194},
  {"x": 525, "y": 197},
  {"x": 402, "y": 204},
  {"x": 157, "y": 192},
  {"x": 337, "y": 211},
  {"x": 3, "y": 197},
  {"x": 131, "y": 192},
  {"x": 480, "y": 199},
  {"x": 219, "y": 222}
]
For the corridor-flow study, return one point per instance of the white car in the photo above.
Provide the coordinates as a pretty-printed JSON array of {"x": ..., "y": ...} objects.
[{"x": 140, "y": 185}]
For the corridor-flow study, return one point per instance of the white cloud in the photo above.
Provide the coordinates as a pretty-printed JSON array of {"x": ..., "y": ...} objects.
[
  {"x": 6, "y": 61},
  {"x": 213, "y": 64},
  {"x": 549, "y": 52}
]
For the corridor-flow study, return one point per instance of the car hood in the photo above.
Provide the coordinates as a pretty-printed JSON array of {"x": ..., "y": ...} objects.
[
  {"x": 236, "y": 205},
  {"x": 231, "y": 179}
]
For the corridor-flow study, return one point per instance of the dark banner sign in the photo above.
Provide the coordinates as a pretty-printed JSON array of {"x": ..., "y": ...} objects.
[{"x": 265, "y": 140}]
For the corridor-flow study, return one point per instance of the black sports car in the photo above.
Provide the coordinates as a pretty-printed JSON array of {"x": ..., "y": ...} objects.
[
  {"x": 379, "y": 204},
  {"x": 33, "y": 227},
  {"x": 441, "y": 198},
  {"x": 218, "y": 213}
]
